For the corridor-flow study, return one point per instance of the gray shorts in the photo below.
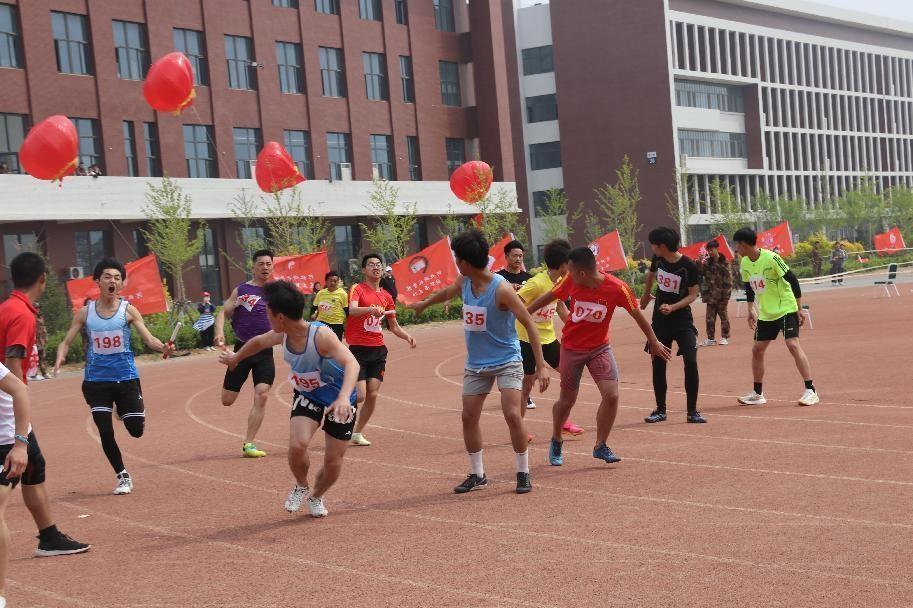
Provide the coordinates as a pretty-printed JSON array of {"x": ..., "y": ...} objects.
[{"x": 479, "y": 382}]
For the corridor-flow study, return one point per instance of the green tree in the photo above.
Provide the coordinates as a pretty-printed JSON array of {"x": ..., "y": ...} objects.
[
  {"x": 900, "y": 211},
  {"x": 291, "y": 228},
  {"x": 451, "y": 223},
  {"x": 728, "y": 215},
  {"x": 616, "y": 208},
  {"x": 554, "y": 219},
  {"x": 862, "y": 209},
  {"x": 500, "y": 216},
  {"x": 393, "y": 224}
]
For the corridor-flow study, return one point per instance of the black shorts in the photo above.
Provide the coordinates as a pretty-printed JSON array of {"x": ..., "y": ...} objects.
[
  {"x": 683, "y": 335},
  {"x": 34, "y": 471},
  {"x": 302, "y": 406},
  {"x": 372, "y": 361},
  {"x": 338, "y": 328},
  {"x": 126, "y": 396},
  {"x": 551, "y": 352},
  {"x": 765, "y": 331},
  {"x": 261, "y": 365}
]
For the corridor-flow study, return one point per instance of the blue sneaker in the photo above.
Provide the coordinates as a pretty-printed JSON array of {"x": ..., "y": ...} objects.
[
  {"x": 604, "y": 452},
  {"x": 554, "y": 453}
]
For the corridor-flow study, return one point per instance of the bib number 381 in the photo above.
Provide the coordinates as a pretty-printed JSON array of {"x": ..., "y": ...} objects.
[
  {"x": 108, "y": 342},
  {"x": 588, "y": 311},
  {"x": 474, "y": 318},
  {"x": 668, "y": 282}
]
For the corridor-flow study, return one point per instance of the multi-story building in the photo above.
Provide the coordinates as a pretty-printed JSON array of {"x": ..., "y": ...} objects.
[
  {"x": 777, "y": 97},
  {"x": 402, "y": 90}
]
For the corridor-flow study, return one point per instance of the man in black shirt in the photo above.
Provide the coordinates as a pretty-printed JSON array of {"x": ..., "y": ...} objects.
[
  {"x": 515, "y": 274},
  {"x": 676, "y": 278}
]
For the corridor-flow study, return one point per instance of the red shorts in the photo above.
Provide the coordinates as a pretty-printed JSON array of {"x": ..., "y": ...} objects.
[{"x": 600, "y": 361}]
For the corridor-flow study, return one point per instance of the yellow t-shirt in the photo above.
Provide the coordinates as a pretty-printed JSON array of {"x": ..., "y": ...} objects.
[
  {"x": 532, "y": 289},
  {"x": 331, "y": 306}
]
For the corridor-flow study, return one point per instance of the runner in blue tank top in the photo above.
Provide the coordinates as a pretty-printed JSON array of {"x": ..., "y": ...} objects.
[
  {"x": 111, "y": 379},
  {"x": 490, "y": 309},
  {"x": 323, "y": 375}
]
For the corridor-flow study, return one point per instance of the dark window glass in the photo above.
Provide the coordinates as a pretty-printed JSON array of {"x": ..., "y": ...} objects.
[
  {"x": 247, "y": 144},
  {"x": 339, "y": 152},
  {"x": 376, "y": 76},
  {"x": 709, "y": 96},
  {"x": 153, "y": 156},
  {"x": 289, "y": 60},
  {"x": 540, "y": 108},
  {"x": 13, "y": 128},
  {"x": 71, "y": 43},
  {"x": 130, "y": 149},
  {"x": 89, "y": 142},
  {"x": 541, "y": 206},
  {"x": 199, "y": 151},
  {"x": 14, "y": 244},
  {"x": 443, "y": 15},
  {"x": 344, "y": 248},
  {"x": 369, "y": 9},
  {"x": 298, "y": 144},
  {"x": 10, "y": 44},
  {"x": 330, "y": 7},
  {"x": 283, "y": 4},
  {"x": 421, "y": 233},
  {"x": 456, "y": 154},
  {"x": 131, "y": 50},
  {"x": 415, "y": 158},
  {"x": 239, "y": 52},
  {"x": 450, "y": 83},
  {"x": 193, "y": 44},
  {"x": 402, "y": 12},
  {"x": 91, "y": 247},
  {"x": 332, "y": 72},
  {"x": 712, "y": 144},
  {"x": 538, "y": 60},
  {"x": 382, "y": 157},
  {"x": 209, "y": 264},
  {"x": 545, "y": 155},
  {"x": 408, "y": 82}
]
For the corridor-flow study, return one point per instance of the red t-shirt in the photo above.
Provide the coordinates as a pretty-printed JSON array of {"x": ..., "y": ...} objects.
[
  {"x": 587, "y": 326},
  {"x": 17, "y": 327},
  {"x": 366, "y": 330}
]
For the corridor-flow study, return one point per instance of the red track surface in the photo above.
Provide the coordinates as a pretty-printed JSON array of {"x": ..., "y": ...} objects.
[{"x": 764, "y": 506}]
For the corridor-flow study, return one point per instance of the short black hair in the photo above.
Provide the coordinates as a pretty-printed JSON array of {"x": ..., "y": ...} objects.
[
  {"x": 371, "y": 256},
  {"x": 26, "y": 269},
  {"x": 745, "y": 235},
  {"x": 262, "y": 253},
  {"x": 514, "y": 244},
  {"x": 327, "y": 276},
  {"x": 665, "y": 236},
  {"x": 712, "y": 245},
  {"x": 582, "y": 257},
  {"x": 555, "y": 253},
  {"x": 109, "y": 264},
  {"x": 284, "y": 298},
  {"x": 471, "y": 247}
]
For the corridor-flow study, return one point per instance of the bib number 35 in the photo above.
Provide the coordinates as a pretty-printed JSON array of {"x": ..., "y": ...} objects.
[{"x": 474, "y": 318}]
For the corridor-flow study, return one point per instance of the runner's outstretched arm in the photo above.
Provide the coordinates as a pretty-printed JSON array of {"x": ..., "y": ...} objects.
[
  {"x": 398, "y": 331},
  {"x": 79, "y": 319},
  {"x": 507, "y": 297},
  {"x": 134, "y": 317},
  {"x": 228, "y": 308},
  {"x": 543, "y": 300},
  {"x": 648, "y": 291},
  {"x": 444, "y": 295},
  {"x": 251, "y": 347},
  {"x": 562, "y": 311},
  {"x": 657, "y": 349}
]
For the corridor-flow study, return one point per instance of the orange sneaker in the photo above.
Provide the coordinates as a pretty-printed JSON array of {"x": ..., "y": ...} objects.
[{"x": 572, "y": 429}]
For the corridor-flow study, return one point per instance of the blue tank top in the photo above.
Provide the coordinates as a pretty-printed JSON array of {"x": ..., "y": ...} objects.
[
  {"x": 109, "y": 357},
  {"x": 491, "y": 336},
  {"x": 316, "y": 377},
  {"x": 249, "y": 318}
]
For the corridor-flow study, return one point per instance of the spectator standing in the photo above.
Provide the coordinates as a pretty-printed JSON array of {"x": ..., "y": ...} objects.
[
  {"x": 816, "y": 259},
  {"x": 716, "y": 289},
  {"x": 206, "y": 323},
  {"x": 389, "y": 283},
  {"x": 838, "y": 261}
]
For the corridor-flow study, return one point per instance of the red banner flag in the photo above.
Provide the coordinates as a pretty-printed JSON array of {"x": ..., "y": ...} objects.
[
  {"x": 302, "y": 270},
  {"x": 143, "y": 287},
  {"x": 497, "y": 260},
  {"x": 610, "y": 255},
  {"x": 889, "y": 242},
  {"x": 425, "y": 272},
  {"x": 778, "y": 239},
  {"x": 697, "y": 251}
]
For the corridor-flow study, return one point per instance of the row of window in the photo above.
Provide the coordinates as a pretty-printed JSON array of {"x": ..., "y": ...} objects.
[
  {"x": 712, "y": 144},
  {"x": 823, "y": 153},
  {"x": 371, "y": 11},
  {"x": 709, "y": 96}
]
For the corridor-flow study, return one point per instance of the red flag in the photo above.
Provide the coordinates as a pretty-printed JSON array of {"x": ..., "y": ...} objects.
[
  {"x": 477, "y": 220},
  {"x": 302, "y": 270},
  {"x": 430, "y": 270},
  {"x": 696, "y": 251},
  {"x": 889, "y": 242},
  {"x": 143, "y": 287},
  {"x": 610, "y": 255},
  {"x": 778, "y": 239},
  {"x": 497, "y": 260}
]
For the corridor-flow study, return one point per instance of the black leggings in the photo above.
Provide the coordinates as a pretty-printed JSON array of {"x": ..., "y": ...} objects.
[
  {"x": 692, "y": 381},
  {"x": 135, "y": 425}
]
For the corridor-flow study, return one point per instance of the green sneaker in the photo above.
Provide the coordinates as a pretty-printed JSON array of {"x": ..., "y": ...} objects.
[{"x": 250, "y": 451}]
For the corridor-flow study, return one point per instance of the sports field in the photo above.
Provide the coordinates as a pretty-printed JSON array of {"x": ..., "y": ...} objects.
[{"x": 773, "y": 505}]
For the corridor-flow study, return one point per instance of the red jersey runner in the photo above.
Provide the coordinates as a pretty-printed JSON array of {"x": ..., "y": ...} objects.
[
  {"x": 591, "y": 310},
  {"x": 366, "y": 330}
]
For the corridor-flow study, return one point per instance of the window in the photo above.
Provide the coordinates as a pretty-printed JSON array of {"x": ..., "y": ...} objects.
[
  {"x": 283, "y": 4},
  {"x": 10, "y": 49},
  {"x": 193, "y": 44},
  {"x": 199, "y": 151},
  {"x": 240, "y": 54},
  {"x": 91, "y": 247},
  {"x": 456, "y": 154},
  {"x": 369, "y": 9},
  {"x": 131, "y": 50},
  {"x": 443, "y": 15},
  {"x": 89, "y": 145},
  {"x": 289, "y": 59},
  {"x": 140, "y": 247},
  {"x": 330, "y": 7},
  {"x": 376, "y": 76},
  {"x": 450, "y": 83},
  {"x": 710, "y": 96},
  {"x": 247, "y": 142},
  {"x": 382, "y": 157},
  {"x": 130, "y": 149},
  {"x": 540, "y": 108},
  {"x": 12, "y": 133},
  {"x": 420, "y": 233},
  {"x": 712, "y": 144},
  {"x": 415, "y": 158},
  {"x": 14, "y": 244},
  {"x": 402, "y": 12},
  {"x": 338, "y": 151},
  {"x": 405, "y": 74},
  {"x": 538, "y": 60},
  {"x": 298, "y": 144},
  {"x": 541, "y": 206},
  {"x": 344, "y": 247},
  {"x": 545, "y": 156},
  {"x": 252, "y": 239},
  {"x": 71, "y": 43},
  {"x": 209, "y": 264},
  {"x": 332, "y": 72},
  {"x": 153, "y": 156}
]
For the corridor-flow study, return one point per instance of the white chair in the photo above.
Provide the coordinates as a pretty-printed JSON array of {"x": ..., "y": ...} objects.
[
  {"x": 739, "y": 302},
  {"x": 807, "y": 311},
  {"x": 890, "y": 282}
]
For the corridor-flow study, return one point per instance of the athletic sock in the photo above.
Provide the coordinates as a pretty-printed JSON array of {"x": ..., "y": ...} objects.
[
  {"x": 475, "y": 460},
  {"x": 758, "y": 389},
  {"x": 522, "y": 462},
  {"x": 49, "y": 532},
  {"x": 809, "y": 385}
]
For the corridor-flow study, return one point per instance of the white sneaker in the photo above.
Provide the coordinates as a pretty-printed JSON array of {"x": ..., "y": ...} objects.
[
  {"x": 316, "y": 507},
  {"x": 359, "y": 439},
  {"x": 39, "y": 378},
  {"x": 707, "y": 342},
  {"x": 723, "y": 342},
  {"x": 530, "y": 404},
  {"x": 293, "y": 502},
  {"x": 2, "y": 602},
  {"x": 809, "y": 397},
  {"x": 752, "y": 398},
  {"x": 124, "y": 484}
]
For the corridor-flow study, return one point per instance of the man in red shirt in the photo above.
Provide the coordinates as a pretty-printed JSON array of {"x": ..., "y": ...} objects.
[
  {"x": 17, "y": 340},
  {"x": 368, "y": 305},
  {"x": 594, "y": 296}
]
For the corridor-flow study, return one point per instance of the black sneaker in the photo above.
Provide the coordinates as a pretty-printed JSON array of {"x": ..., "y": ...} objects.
[
  {"x": 696, "y": 418},
  {"x": 473, "y": 482},
  {"x": 524, "y": 485},
  {"x": 59, "y": 545},
  {"x": 656, "y": 416}
]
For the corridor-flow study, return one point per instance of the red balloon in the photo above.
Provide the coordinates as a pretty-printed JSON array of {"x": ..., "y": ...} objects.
[
  {"x": 472, "y": 181},
  {"x": 169, "y": 84},
  {"x": 50, "y": 150},
  {"x": 276, "y": 169}
]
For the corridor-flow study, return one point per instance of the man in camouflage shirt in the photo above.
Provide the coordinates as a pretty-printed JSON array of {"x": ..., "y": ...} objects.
[{"x": 716, "y": 288}]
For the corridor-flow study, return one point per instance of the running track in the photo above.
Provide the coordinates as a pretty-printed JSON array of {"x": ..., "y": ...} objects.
[{"x": 769, "y": 506}]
